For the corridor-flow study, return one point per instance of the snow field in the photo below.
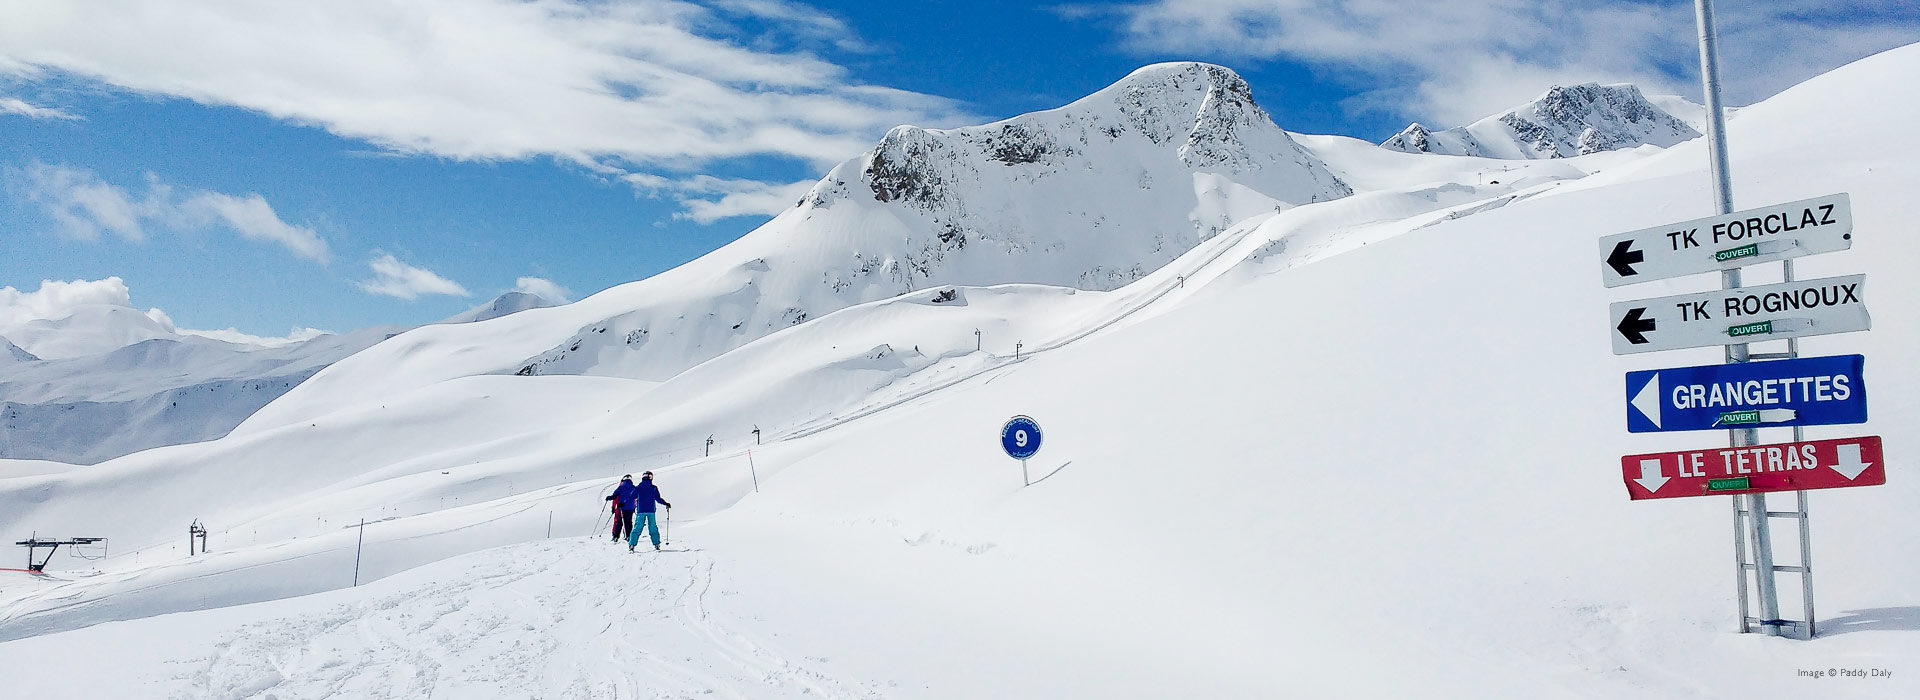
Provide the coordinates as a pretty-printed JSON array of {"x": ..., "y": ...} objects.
[{"x": 1391, "y": 472}]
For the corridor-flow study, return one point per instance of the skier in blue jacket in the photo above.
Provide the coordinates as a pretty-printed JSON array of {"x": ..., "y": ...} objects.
[
  {"x": 644, "y": 497},
  {"x": 622, "y": 500}
]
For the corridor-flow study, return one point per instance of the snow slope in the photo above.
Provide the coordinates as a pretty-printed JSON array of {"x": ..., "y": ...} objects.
[
  {"x": 1565, "y": 121},
  {"x": 159, "y": 391},
  {"x": 1365, "y": 448},
  {"x": 503, "y": 305},
  {"x": 90, "y": 330},
  {"x": 11, "y": 354},
  {"x": 118, "y": 382},
  {"x": 1091, "y": 195}
]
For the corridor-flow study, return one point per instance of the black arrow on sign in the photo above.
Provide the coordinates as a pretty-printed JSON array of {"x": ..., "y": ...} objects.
[
  {"x": 1634, "y": 328},
  {"x": 1622, "y": 259}
]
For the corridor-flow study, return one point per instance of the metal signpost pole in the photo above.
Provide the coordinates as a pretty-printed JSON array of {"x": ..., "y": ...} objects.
[
  {"x": 1736, "y": 352},
  {"x": 357, "y": 544}
]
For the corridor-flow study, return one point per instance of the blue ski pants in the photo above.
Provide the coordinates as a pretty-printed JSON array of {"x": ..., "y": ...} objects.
[{"x": 648, "y": 521}]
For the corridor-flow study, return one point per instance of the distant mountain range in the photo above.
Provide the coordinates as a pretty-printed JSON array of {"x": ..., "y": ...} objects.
[
  {"x": 1091, "y": 196},
  {"x": 107, "y": 380},
  {"x": 1564, "y": 122}
]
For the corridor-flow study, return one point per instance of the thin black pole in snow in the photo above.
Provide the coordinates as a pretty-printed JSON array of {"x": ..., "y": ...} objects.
[
  {"x": 356, "y": 552},
  {"x": 751, "y": 470},
  {"x": 549, "y": 524}
]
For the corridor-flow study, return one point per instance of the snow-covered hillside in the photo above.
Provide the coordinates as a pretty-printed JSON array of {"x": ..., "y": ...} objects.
[
  {"x": 1566, "y": 121},
  {"x": 109, "y": 380},
  {"x": 1355, "y": 448},
  {"x": 156, "y": 392},
  {"x": 1092, "y": 195},
  {"x": 90, "y": 329},
  {"x": 14, "y": 354},
  {"x": 503, "y": 305}
]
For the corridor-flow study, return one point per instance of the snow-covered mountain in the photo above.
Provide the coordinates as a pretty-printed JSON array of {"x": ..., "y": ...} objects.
[
  {"x": 1327, "y": 436},
  {"x": 504, "y": 305},
  {"x": 89, "y": 329},
  {"x": 13, "y": 354},
  {"x": 1092, "y": 195},
  {"x": 114, "y": 380},
  {"x": 1566, "y": 121},
  {"x": 156, "y": 392}
]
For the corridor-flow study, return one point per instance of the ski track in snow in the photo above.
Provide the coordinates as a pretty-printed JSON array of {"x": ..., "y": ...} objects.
[{"x": 564, "y": 619}]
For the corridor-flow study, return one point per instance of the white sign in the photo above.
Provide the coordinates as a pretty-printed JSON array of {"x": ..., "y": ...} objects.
[
  {"x": 1744, "y": 315},
  {"x": 1767, "y": 234}
]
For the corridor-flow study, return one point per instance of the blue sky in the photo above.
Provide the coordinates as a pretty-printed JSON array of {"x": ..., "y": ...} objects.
[{"x": 360, "y": 162}]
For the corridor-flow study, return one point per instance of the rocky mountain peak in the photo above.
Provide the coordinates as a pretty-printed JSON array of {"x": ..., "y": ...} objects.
[{"x": 1563, "y": 122}]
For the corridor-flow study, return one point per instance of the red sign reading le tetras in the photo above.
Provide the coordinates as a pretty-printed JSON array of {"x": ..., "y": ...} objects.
[{"x": 1790, "y": 466}]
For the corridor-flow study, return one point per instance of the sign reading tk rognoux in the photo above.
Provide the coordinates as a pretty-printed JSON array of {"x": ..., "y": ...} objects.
[
  {"x": 1767, "y": 234},
  {"x": 1741, "y": 315},
  {"x": 1719, "y": 471},
  {"x": 1782, "y": 393}
]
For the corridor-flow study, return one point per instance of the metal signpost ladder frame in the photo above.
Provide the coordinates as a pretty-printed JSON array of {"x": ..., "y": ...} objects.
[{"x": 1750, "y": 515}]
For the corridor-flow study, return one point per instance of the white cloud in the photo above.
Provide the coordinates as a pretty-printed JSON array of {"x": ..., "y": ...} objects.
[
  {"x": 253, "y": 218},
  {"x": 57, "y": 300},
  {"x": 1452, "y": 62},
  {"x": 84, "y": 206},
  {"x": 14, "y": 105},
  {"x": 804, "y": 21},
  {"x": 660, "y": 84},
  {"x": 543, "y": 288},
  {"x": 402, "y": 281},
  {"x": 705, "y": 199}
]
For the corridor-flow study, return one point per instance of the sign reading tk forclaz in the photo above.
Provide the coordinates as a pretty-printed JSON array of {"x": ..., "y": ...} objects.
[{"x": 1767, "y": 234}]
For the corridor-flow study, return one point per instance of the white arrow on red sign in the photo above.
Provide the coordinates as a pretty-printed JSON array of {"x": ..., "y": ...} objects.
[{"x": 1792, "y": 466}]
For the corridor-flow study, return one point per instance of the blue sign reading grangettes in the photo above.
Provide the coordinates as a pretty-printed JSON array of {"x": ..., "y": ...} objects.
[
  {"x": 1021, "y": 437},
  {"x": 1806, "y": 391}
]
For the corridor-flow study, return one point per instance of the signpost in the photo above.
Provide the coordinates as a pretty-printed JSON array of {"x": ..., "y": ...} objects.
[
  {"x": 1715, "y": 243},
  {"x": 1021, "y": 439},
  {"x": 1740, "y": 315},
  {"x": 1807, "y": 391},
  {"x": 1721, "y": 471},
  {"x": 1739, "y": 396}
]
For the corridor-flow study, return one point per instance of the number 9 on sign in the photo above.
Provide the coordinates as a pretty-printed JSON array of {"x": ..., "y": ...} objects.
[{"x": 1021, "y": 437}]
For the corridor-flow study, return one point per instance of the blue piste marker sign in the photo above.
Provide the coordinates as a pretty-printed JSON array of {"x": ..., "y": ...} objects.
[{"x": 1782, "y": 393}]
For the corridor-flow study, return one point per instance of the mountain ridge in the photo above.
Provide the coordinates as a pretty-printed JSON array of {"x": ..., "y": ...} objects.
[{"x": 1564, "y": 121}]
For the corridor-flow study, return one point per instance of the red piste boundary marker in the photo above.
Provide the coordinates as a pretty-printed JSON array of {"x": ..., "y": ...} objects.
[{"x": 1789, "y": 466}]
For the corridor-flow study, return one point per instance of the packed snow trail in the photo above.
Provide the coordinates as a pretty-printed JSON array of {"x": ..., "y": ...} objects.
[{"x": 572, "y": 618}]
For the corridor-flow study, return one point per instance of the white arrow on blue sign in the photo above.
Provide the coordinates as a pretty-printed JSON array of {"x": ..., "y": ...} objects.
[{"x": 1804, "y": 391}]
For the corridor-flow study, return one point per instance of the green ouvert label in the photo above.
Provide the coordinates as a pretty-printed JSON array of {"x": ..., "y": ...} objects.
[
  {"x": 1739, "y": 483},
  {"x": 1746, "y": 251},
  {"x": 1761, "y": 328},
  {"x": 1739, "y": 418}
]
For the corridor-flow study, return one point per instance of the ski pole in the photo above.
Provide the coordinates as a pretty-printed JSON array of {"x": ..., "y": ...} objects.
[
  {"x": 596, "y": 521},
  {"x": 666, "y": 532}
]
